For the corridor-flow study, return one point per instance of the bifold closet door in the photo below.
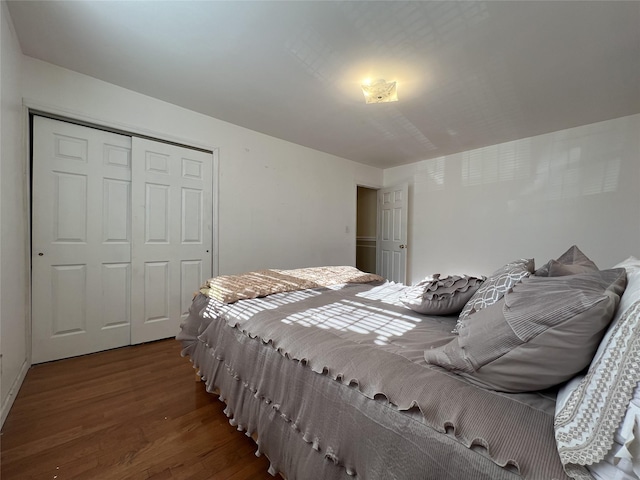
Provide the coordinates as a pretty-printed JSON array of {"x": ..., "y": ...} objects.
[
  {"x": 81, "y": 240},
  {"x": 172, "y": 235}
]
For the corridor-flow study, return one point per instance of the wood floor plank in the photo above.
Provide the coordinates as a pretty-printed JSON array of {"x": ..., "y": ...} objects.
[{"x": 131, "y": 413}]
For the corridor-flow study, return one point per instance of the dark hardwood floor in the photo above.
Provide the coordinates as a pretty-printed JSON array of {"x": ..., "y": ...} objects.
[{"x": 130, "y": 413}]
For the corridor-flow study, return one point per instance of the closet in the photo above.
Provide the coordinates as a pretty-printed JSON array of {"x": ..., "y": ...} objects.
[{"x": 121, "y": 237}]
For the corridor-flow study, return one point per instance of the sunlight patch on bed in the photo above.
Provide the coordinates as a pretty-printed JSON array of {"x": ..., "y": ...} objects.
[
  {"x": 356, "y": 317},
  {"x": 388, "y": 293},
  {"x": 245, "y": 309}
]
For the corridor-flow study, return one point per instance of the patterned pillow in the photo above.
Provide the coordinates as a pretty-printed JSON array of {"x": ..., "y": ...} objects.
[
  {"x": 494, "y": 288},
  {"x": 591, "y": 408}
]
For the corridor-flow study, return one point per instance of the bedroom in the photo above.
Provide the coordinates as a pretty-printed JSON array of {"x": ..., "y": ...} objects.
[{"x": 534, "y": 195}]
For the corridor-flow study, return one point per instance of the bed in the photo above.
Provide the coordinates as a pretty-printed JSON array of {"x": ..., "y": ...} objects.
[{"x": 337, "y": 374}]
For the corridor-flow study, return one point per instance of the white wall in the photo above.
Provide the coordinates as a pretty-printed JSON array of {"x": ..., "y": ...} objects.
[
  {"x": 283, "y": 205},
  {"x": 280, "y": 205},
  {"x": 535, "y": 197},
  {"x": 13, "y": 228}
]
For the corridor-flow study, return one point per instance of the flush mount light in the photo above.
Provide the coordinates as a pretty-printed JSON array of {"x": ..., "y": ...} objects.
[{"x": 380, "y": 91}]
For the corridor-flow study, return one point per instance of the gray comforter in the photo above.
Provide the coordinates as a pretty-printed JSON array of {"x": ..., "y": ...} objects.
[{"x": 333, "y": 384}]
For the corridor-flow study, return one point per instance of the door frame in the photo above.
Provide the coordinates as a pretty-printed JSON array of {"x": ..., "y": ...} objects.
[{"x": 31, "y": 108}]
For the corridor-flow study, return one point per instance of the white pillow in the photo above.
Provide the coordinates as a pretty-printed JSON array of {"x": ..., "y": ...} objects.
[
  {"x": 592, "y": 410},
  {"x": 629, "y": 297}
]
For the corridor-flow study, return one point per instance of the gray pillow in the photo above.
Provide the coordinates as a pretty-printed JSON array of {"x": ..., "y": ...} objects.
[
  {"x": 495, "y": 286},
  {"x": 540, "y": 334},
  {"x": 569, "y": 263},
  {"x": 441, "y": 296}
]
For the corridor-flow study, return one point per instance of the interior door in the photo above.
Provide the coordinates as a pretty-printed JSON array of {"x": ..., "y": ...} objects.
[
  {"x": 81, "y": 240},
  {"x": 172, "y": 235},
  {"x": 392, "y": 233}
]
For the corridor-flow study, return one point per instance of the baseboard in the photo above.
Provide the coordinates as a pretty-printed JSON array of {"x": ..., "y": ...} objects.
[{"x": 13, "y": 392}]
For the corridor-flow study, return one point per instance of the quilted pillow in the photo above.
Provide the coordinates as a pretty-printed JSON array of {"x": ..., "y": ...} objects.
[
  {"x": 441, "y": 296},
  {"x": 539, "y": 334},
  {"x": 494, "y": 288},
  {"x": 569, "y": 263}
]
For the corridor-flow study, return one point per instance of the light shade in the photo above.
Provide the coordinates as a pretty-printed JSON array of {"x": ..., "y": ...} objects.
[{"x": 380, "y": 92}]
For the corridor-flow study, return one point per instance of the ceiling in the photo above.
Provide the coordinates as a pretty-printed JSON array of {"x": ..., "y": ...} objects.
[{"x": 469, "y": 74}]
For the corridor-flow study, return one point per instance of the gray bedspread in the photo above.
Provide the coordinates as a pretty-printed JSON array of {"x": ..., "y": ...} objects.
[{"x": 333, "y": 383}]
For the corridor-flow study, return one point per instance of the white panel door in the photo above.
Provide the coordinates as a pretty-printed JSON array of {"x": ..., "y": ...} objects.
[
  {"x": 81, "y": 240},
  {"x": 172, "y": 235},
  {"x": 392, "y": 233}
]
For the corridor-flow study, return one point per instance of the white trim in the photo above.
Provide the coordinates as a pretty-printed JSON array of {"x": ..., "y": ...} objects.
[
  {"x": 13, "y": 391},
  {"x": 369, "y": 186},
  {"x": 26, "y": 364},
  {"x": 26, "y": 144},
  {"x": 215, "y": 240},
  {"x": 115, "y": 126}
]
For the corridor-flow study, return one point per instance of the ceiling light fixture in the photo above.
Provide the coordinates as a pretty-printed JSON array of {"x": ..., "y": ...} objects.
[{"x": 380, "y": 91}]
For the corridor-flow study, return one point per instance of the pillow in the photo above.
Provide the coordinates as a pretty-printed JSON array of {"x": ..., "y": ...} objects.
[
  {"x": 541, "y": 333},
  {"x": 569, "y": 263},
  {"x": 629, "y": 297},
  {"x": 589, "y": 408},
  {"x": 441, "y": 296},
  {"x": 495, "y": 287}
]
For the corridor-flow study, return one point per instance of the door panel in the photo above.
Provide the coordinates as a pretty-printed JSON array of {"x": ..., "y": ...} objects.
[
  {"x": 70, "y": 208},
  {"x": 69, "y": 300},
  {"x": 191, "y": 216},
  {"x": 116, "y": 215},
  {"x": 116, "y": 294},
  {"x": 156, "y": 292},
  {"x": 172, "y": 235},
  {"x": 191, "y": 275},
  {"x": 156, "y": 214},
  {"x": 392, "y": 234},
  {"x": 80, "y": 231}
]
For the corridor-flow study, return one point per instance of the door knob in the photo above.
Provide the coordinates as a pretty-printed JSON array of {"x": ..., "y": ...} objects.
[
  {"x": 403, "y": 246},
  {"x": 40, "y": 254}
]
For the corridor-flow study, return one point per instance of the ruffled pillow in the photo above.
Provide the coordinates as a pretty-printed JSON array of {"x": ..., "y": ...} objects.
[{"x": 441, "y": 296}]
